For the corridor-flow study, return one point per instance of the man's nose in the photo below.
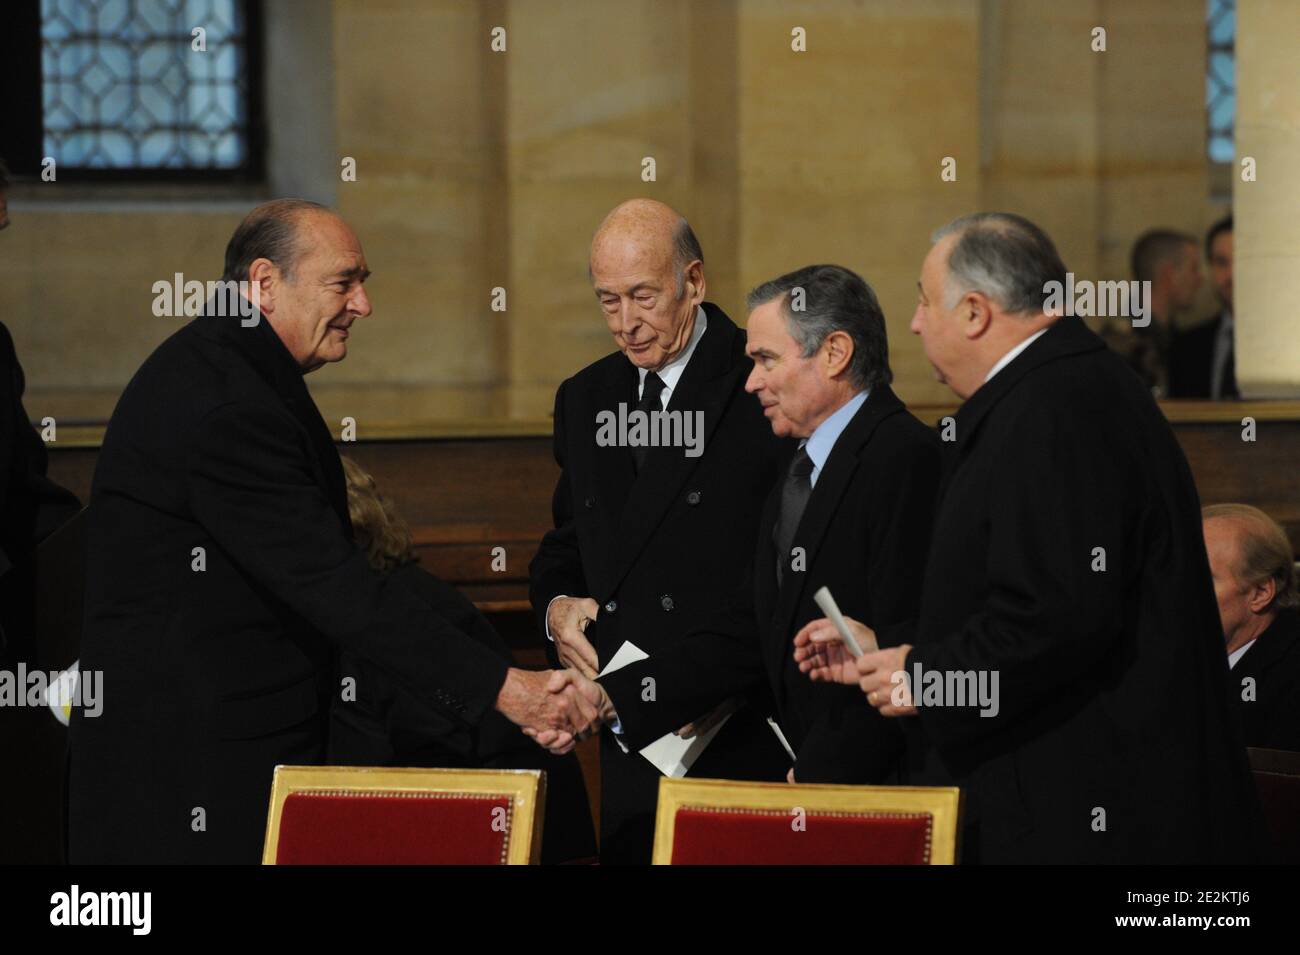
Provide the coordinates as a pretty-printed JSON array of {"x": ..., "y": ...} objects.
[
  {"x": 915, "y": 326},
  {"x": 628, "y": 318},
  {"x": 361, "y": 302},
  {"x": 753, "y": 382}
]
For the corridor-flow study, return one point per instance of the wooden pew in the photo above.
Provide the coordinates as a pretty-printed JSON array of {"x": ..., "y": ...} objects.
[{"x": 465, "y": 495}]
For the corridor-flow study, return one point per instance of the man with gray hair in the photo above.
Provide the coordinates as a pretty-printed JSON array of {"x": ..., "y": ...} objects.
[
  {"x": 1255, "y": 586},
  {"x": 852, "y": 513},
  {"x": 1067, "y": 570},
  {"x": 652, "y": 530},
  {"x": 222, "y": 577}
]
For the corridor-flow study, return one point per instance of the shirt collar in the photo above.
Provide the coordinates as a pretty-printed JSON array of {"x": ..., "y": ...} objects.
[
  {"x": 671, "y": 373},
  {"x": 822, "y": 441},
  {"x": 1238, "y": 653},
  {"x": 1010, "y": 356}
]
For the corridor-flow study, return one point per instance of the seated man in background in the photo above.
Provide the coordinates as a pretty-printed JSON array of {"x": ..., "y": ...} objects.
[
  {"x": 1171, "y": 262},
  {"x": 1255, "y": 585},
  {"x": 376, "y": 722}
]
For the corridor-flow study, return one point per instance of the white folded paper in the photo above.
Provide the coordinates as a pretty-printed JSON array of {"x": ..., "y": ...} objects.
[
  {"x": 829, "y": 607},
  {"x": 670, "y": 754},
  {"x": 785, "y": 743}
]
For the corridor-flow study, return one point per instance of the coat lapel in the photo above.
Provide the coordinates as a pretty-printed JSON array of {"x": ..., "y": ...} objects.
[
  {"x": 1271, "y": 646},
  {"x": 707, "y": 384},
  {"x": 1064, "y": 337},
  {"x": 612, "y": 466},
  {"x": 823, "y": 505}
]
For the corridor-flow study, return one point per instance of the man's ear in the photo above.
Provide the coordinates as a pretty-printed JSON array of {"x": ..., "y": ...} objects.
[
  {"x": 264, "y": 274},
  {"x": 694, "y": 286},
  {"x": 1261, "y": 595},
  {"x": 838, "y": 349},
  {"x": 976, "y": 313}
]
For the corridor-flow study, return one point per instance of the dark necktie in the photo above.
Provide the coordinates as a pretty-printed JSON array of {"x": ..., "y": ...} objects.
[
  {"x": 650, "y": 392},
  {"x": 795, "y": 492}
]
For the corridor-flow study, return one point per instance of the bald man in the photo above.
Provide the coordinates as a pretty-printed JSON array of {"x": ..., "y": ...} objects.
[
  {"x": 222, "y": 578},
  {"x": 665, "y": 464},
  {"x": 1253, "y": 567}
]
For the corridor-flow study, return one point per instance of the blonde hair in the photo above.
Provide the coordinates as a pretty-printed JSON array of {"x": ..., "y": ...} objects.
[
  {"x": 379, "y": 531},
  {"x": 1264, "y": 553}
]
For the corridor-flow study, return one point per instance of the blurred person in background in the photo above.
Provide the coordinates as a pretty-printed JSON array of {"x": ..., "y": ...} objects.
[{"x": 381, "y": 724}]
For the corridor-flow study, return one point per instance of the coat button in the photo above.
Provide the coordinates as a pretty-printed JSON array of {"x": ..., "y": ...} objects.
[
  {"x": 590, "y": 502},
  {"x": 666, "y": 602},
  {"x": 693, "y": 498},
  {"x": 611, "y": 606}
]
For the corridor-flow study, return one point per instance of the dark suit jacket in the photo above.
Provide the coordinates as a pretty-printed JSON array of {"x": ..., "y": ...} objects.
[
  {"x": 1191, "y": 362},
  {"x": 659, "y": 551},
  {"x": 213, "y": 676},
  {"x": 1111, "y": 681},
  {"x": 1271, "y": 719},
  {"x": 864, "y": 533},
  {"x": 383, "y": 724},
  {"x": 31, "y": 506}
]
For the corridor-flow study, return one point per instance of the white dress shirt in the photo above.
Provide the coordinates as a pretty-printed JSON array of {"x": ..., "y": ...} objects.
[
  {"x": 1010, "y": 356},
  {"x": 822, "y": 441},
  {"x": 671, "y": 373},
  {"x": 1238, "y": 653}
]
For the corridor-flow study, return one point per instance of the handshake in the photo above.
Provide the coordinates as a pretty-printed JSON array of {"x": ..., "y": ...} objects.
[{"x": 556, "y": 708}]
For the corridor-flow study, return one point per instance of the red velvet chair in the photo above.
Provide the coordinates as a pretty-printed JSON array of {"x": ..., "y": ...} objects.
[
  {"x": 721, "y": 822},
  {"x": 348, "y": 815}
]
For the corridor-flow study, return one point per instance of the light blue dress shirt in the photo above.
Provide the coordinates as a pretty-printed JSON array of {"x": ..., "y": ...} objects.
[{"x": 822, "y": 441}]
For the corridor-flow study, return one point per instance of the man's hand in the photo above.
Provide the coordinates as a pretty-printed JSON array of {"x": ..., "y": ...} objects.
[
  {"x": 548, "y": 701},
  {"x": 567, "y": 620},
  {"x": 710, "y": 719},
  {"x": 789, "y": 777},
  {"x": 558, "y": 740},
  {"x": 883, "y": 679},
  {"x": 821, "y": 653}
]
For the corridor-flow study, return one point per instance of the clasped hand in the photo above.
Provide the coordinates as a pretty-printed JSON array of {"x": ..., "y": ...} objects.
[{"x": 578, "y": 696}]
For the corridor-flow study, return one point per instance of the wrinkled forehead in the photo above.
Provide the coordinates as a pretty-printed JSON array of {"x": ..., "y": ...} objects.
[{"x": 626, "y": 255}]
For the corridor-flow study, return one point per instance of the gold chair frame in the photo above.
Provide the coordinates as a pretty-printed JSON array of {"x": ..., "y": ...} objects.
[
  {"x": 943, "y": 804},
  {"x": 525, "y": 787}
]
